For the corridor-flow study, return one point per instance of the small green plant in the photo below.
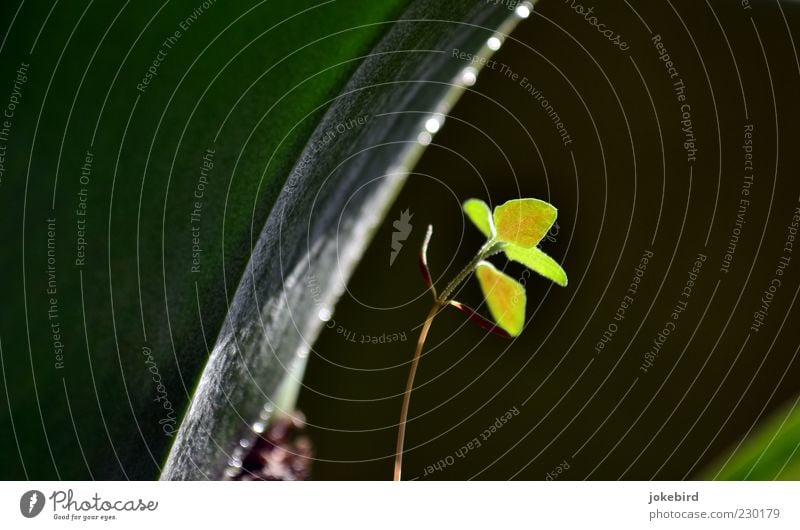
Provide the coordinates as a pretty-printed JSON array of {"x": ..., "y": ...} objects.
[{"x": 515, "y": 229}]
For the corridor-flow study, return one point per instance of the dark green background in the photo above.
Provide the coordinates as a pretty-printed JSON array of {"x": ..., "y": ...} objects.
[{"x": 96, "y": 418}]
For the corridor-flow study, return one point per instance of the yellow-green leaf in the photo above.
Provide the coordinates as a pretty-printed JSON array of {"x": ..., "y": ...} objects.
[
  {"x": 504, "y": 296},
  {"x": 537, "y": 261},
  {"x": 480, "y": 215},
  {"x": 524, "y": 222}
]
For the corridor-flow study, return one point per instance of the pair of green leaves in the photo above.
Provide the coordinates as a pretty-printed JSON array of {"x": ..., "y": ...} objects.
[{"x": 515, "y": 228}]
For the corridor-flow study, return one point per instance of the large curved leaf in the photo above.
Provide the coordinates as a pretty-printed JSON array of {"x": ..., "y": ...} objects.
[
  {"x": 140, "y": 167},
  {"x": 150, "y": 145},
  {"x": 321, "y": 224}
]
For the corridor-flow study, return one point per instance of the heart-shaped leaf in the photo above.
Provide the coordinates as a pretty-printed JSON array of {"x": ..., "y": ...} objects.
[
  {"x": 504, "y": 296},
  {"x": 481, "y": 216},
  {"x": 524, "y": 222},
  {"x": 539, "y": 262}
]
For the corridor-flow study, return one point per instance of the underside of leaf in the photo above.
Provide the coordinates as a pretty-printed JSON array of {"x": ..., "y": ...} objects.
[
  {"x": 524, "y": 222},
  {"x": 539, "y": 262},
  {"x": 504, "y": 296}
]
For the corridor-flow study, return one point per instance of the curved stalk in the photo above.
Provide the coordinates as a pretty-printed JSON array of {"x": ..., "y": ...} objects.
[
  {"x": 401, "y": 432},
  {"x": 491, "y": 247}
]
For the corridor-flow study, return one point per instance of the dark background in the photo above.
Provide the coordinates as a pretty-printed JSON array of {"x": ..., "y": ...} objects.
[
  {"x": 714, "y": 378},
  {"x": 624, "y": 186}
]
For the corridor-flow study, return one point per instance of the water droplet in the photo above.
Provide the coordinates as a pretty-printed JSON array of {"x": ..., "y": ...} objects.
[
  {"x": 494, "y": 43},
  {"x": 244, "y": 443},
  {"x": 524, "y": 10},
  {"x": 325, "y": 314},
  {"x": 469, "y": 76},
  {"x": 433, "y": 125},
  {"x": 258, "y": 427},
  {"x": 424, "y": 138}
]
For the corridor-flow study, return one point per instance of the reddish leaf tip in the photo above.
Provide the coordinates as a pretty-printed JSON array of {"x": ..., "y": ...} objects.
[{"x": 480, "y": 320}]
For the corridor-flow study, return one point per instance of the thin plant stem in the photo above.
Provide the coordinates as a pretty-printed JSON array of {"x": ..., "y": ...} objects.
[
  {"x": 401, "y": 432},
  {"x": 485, "y": 251},
  {"x": 488, "y": 249}
]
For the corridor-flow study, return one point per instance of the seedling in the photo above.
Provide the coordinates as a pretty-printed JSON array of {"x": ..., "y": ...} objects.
[{"x": 514, "y": 229}]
